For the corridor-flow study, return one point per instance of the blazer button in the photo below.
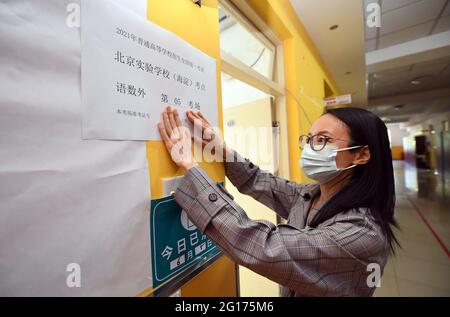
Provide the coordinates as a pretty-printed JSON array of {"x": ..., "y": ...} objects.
[{"x": 212, "y": 197}]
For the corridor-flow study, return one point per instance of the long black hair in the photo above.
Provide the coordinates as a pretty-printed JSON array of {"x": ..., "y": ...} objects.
[{"x": 372, "y": 184}]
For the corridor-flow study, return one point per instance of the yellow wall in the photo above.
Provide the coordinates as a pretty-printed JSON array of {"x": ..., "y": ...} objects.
[
  {"x": 305, "y": 74},
  {"x": 199, "y": 27},
  {"x": 219, "y": 281}
]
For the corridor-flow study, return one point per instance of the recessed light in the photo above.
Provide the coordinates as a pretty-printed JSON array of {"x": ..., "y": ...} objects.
[
  {"x": 334, "y": 27},
  {"x": 420, "y": 80}
]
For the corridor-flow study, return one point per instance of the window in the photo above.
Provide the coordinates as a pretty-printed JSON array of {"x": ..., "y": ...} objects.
[
  {"x": 236, "y": 92},
  {"x": 253, "y": 104},
  {"x": 247, "y": 46}
]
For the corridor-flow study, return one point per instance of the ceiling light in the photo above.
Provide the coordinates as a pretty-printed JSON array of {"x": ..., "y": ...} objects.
[
  {"x": 334, "y": 27},
  {"x": 420, "y": 80}
]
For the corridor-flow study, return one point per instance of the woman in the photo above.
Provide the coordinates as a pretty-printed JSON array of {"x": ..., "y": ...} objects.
[{"x": 338, "y": 230}]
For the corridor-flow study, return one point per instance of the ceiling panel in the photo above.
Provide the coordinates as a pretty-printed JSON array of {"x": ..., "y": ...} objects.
[
  {"x": 393, "y": 79},
  {"x": 411, "y": 15},
  {"x": 406, "y": 88},
  {"x": 406, "y": 35},
  {"x": 442, "y": 25},
  {"x": 398, "y": 81},
  {"x": 433, "y": 68},
  {"x": 398, "y": 85},
  {"x": 446, "y": 72},
  {"x": 415, "y": 108},
  {"x": 394, "y": 70},
  {"x": 388, "y": 5},
  {"x": 447, "y": 10}
]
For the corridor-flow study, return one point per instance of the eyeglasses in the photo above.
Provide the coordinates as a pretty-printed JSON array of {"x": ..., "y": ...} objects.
[{"x": 317, "y": 142}]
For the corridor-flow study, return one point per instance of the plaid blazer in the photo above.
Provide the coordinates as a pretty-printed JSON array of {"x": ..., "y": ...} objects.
[{"x": 329, "y": 260}]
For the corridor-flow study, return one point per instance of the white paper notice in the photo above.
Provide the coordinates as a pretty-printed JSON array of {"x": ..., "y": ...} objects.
[
  {"x": 137, "y": 6},
  {"x": 132, "y": 69}
]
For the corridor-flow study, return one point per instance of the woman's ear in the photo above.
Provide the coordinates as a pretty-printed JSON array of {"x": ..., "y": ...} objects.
[{"x": 362, "y": 156}]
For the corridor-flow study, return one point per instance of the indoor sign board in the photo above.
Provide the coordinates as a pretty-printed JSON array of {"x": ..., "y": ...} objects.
[
  {"x": 176, "y": 241},
  {"x": 339, "y": 100}
]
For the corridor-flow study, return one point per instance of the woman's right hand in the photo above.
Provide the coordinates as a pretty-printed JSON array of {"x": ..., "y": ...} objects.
[{"x": 208, "y": 133}]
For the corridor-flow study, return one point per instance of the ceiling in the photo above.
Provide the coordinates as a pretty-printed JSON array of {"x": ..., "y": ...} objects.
[
  {"x": 406, "y": 20},
  {"x": 408, "y": 59},
  {"x": 411, "y": 78},
  {"x": 412, "y": 112},
  {"x": 405, "y": 70},
  {"x": 342, "y": 49}
]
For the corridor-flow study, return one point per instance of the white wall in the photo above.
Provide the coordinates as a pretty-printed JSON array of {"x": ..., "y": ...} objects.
[{"x": 396, "y": 134}]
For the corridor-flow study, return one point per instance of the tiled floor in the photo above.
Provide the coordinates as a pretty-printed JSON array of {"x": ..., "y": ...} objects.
[{"x": 421, "y": 267}]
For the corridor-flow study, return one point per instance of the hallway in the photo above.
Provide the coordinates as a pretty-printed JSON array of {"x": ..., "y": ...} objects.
[{"x": 422, "y": 266}]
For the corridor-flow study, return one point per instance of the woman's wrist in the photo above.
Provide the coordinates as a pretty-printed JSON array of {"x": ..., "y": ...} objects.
[{"x": 188, "y": 166}]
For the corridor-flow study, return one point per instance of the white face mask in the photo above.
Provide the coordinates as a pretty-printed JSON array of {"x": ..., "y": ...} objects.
[{"x": 321, "y": 165}]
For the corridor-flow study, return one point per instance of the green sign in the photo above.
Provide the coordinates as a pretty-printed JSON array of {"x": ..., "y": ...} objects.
[{"x": 175, "y": 240}]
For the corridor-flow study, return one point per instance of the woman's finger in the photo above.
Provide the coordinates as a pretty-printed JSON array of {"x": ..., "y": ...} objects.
[
  {"x": 177, "y": 118},
  {"x": 198, "y": 124},
  {"x": 164, "y": 136},
  {"x": 201, "y": 120},
  {"x": 193, "y": 119},
  {"x": 203, "y": 117},
  {"x": 172, "y": 117},
  {"x": 190, "y": 116},
  {"x": 186, "y": 132},
  {"x": 167, "y": 125},
  {"x": 175, "y": 130},
  {"x": 205, "y": 122}
]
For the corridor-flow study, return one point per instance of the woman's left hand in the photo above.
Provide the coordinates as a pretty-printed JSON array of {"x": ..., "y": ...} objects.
[{"x": 177, "y": 139}]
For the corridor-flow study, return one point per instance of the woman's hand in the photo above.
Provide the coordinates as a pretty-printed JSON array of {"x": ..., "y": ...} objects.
[
  {"x": 208, "y": 134},
  {"x": 177, "y": 139}
]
